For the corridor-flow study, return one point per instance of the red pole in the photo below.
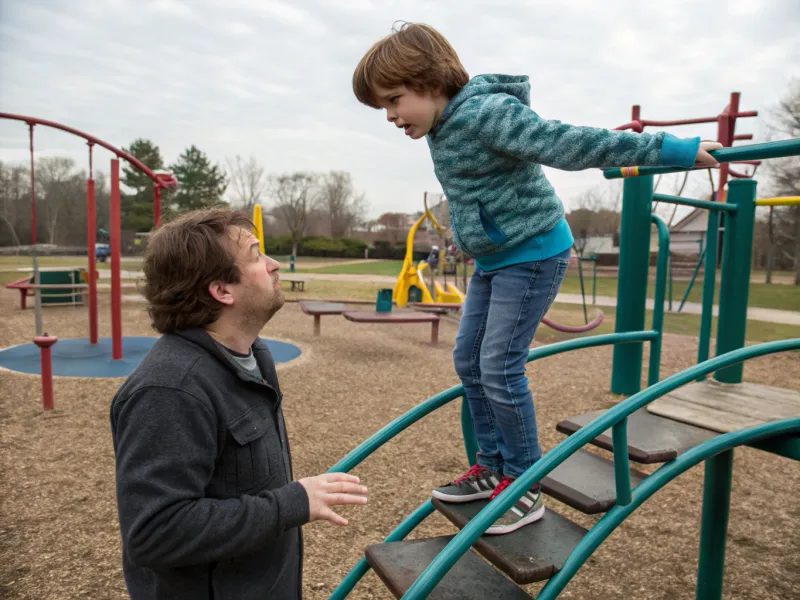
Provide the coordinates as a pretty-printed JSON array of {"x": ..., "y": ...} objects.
[
  {"x": 156, "y": 205},
  {"x": 91, "y": 228},
  {"x": 33, "y": 191},
  {"x": 115, "y": 233},
  {"x": 636, "y": 112},
  {"x": 44, "y": 342}
]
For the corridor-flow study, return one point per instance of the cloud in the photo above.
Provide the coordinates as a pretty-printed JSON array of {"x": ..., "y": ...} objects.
[{"x": 273, "y": 78}]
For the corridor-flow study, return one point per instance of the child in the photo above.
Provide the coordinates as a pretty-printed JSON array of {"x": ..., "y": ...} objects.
[{"x": 488, "y": 148}]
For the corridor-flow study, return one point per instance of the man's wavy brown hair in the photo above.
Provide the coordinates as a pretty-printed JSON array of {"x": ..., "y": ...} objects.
[
  {"x": 183, "y": 257},
  {"x": 416, "y": 56}
]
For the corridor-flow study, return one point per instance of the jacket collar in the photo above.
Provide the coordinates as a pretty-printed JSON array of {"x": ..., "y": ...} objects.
[{"x": 202, "y": 338}]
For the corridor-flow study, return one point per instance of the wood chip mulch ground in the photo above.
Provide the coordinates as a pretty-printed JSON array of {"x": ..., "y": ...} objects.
[{"x": 58, "y": 523}]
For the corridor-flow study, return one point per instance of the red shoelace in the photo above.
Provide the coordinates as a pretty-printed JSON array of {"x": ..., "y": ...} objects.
[
  {"x": 504, "y": 483},
  {"x": 474, "y": 470}
]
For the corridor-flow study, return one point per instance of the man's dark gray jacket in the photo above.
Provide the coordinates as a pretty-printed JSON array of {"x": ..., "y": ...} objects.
[{"x": 207, "y": 506}]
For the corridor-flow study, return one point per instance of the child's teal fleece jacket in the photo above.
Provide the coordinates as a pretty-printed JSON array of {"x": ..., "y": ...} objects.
[{"x": 488, "y": 148}]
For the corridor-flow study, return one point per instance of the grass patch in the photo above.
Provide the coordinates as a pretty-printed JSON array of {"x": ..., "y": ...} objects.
[
  {"x": 382, "y": 267},
  {"x": 338, "y": 290}
]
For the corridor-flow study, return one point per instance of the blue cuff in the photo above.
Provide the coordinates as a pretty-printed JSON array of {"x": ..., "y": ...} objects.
[{"x": 679, "y": 152}]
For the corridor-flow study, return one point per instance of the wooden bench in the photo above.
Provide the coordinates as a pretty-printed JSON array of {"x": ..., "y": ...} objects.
[
  {"x": 318, "y": 309},
  {"x": 396, "y": 317},
  {"x": 297, "y": 284},
  {"x": 29, "y": 289}
]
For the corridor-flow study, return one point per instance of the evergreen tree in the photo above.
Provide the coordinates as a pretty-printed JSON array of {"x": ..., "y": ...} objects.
[
  {"x": 200, "y": 184},
  {"x": 137, "y": 207}
]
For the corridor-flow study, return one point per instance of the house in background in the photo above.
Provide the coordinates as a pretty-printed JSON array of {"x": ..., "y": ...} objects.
[{"x": 688, "y": 236}]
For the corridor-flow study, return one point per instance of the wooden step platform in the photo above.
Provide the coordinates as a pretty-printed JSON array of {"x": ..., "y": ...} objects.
[
  {"x": 651, "y": 439},
  {"x": 532, "y": 553},
  {"x": 398, "y": 564},
  {"x": 725, "y": 407},
  {"x": 585, "y": 481}
]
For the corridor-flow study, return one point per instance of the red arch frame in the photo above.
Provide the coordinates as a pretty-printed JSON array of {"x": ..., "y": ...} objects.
[{"x": 160, "y": 180}]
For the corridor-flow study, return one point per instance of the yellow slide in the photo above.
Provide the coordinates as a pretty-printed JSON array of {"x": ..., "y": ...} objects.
[{"x": 410, "y": 285}]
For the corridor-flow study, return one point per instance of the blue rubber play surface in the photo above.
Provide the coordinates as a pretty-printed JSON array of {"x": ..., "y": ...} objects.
[{"x": 79, "y": 358}]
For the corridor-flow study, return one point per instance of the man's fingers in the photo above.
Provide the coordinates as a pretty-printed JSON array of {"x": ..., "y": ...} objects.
[
  {"x": 340, "y": 499},
  {"x": 331, "y": 516},
  {"x": 346, "y": 487},
  {"x": 336, "y": 477}
]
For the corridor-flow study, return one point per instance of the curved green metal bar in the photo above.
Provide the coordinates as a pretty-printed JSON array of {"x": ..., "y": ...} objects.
[
  {"x": 666, "y": 473},
  {"x": 400, "y": 532},
  {"x": 779, "y": 149},
  {"x": 462, "y": 541},
  {"x": 361, "y": 452}
]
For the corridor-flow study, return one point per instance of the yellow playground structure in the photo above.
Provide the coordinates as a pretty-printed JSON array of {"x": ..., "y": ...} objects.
[
  {"x": 410, "y": 285},
  {"x": 259, "y": 230}
]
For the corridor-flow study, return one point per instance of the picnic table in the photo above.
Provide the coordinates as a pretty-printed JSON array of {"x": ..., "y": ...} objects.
[
  {"x": 319, "y": 309},
  {"x": 396, "y": 317}
]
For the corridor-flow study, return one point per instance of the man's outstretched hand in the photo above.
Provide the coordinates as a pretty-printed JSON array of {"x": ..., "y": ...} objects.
[{"x": 332, "y": 489}]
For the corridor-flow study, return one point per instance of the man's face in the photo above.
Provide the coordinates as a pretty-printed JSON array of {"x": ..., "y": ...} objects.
[{"x": 258, "y": 295}]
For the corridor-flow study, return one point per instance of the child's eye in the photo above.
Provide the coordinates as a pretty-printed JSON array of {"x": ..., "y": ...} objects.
[{"x": 394, "y": 99}]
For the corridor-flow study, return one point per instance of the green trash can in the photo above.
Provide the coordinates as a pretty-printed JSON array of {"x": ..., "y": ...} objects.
[
  {"x": 384, "y": 301},
  {"x": 62, "y": 277}
]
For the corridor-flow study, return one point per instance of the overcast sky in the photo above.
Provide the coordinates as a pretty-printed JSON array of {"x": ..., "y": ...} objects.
[{"x": 273, "y": 79}]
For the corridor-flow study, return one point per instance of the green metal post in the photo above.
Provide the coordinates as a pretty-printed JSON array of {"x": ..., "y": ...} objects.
[
  {"x": 669, "y": 282},
  {"x": 468, "y": 431},
  {"x": 737, "y": 251},
  {"x": 709, "y": 285},
  {"x": 583, "y": 294},
  {"x": 622, "y": 469},
  {"x": 714, "y": 525},
  {"x": 658, "y": 299},
  {"x": 594, "y": 278},
  {"x": 634, "y": 263}
]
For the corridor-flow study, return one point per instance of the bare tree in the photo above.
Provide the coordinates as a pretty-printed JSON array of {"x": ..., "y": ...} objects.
[
  {"x": 248, "y": 182},
  {"x": 293, "y": 195},
  {"x": 338, "y": 198},
  {"x": 596, "y": 213},
  {"x": 55, "y": 175},
  {"x": 784, "y": 222},
  {"x": 394, "y": 224},
  {"x": 14, "y": 183}
]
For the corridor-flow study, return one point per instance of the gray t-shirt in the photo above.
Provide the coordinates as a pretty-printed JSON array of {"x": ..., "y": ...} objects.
[{"x": 246, "y": 361}]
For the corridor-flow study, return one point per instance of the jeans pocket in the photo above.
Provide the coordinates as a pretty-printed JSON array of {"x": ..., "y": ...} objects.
[{"x": 559, "y": 272}]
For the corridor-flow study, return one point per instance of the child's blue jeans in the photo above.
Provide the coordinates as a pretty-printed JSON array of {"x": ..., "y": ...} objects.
[{"x": 501, "y": 312}]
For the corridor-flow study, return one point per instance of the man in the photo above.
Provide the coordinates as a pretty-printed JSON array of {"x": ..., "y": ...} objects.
[{"x": 206, "y": 502}]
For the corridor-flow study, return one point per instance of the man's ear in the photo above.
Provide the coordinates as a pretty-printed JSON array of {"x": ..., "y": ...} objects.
[{"x": 220, "y": 292}]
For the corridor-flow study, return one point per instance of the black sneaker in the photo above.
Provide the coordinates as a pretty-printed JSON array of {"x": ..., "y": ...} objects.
[{"x": 476, "y": 484}]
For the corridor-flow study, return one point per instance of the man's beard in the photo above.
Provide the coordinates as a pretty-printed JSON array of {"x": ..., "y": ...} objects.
[{"x": 261, "y": 308}]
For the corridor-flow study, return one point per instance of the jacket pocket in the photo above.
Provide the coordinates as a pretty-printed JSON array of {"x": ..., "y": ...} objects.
[
  {"x": 491, "y": 228},
  {"x": 246, "y": 459}
]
